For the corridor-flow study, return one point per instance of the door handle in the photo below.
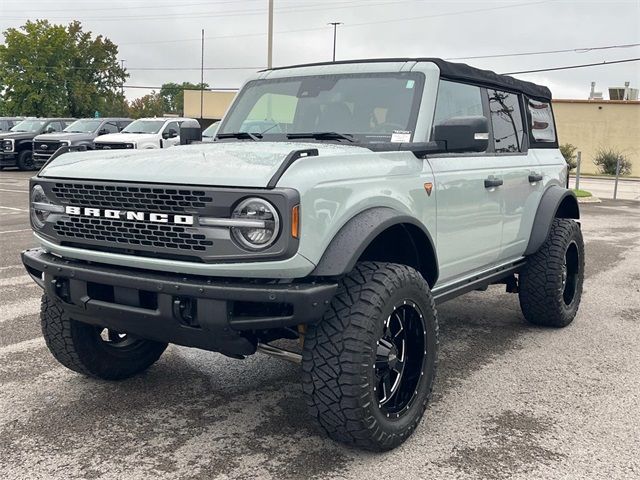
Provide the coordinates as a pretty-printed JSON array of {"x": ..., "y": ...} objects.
[
  {"x": 535, "y": 177},
  {"x": 492, "y": 182}
]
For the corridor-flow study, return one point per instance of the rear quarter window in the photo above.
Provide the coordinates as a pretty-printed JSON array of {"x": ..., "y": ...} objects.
[{"x": 542, "y": 126}]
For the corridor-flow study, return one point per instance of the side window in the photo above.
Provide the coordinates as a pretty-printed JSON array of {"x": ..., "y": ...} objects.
[
  {"x": 542, "y": 126},
  {"x": 4, "y": 125},
  {"x": 123, "y": 124},
  {"x": 457, "y": 100},
  {"x": 508, "y": 130},
  {"x": 55, "y": 126},
  {"x": 110, "y": 127},
  {"x": 172, "y": 126}
]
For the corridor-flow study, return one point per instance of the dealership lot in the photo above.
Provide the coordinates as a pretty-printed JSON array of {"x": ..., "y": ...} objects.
[{"x": 511, "y": 400}]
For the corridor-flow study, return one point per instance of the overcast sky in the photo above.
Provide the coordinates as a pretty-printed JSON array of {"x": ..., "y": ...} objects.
[{"x": 166, "y": 34}]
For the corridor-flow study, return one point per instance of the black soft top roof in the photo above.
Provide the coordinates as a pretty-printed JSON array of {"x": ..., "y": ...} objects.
[{"x": 458, "y": 71}]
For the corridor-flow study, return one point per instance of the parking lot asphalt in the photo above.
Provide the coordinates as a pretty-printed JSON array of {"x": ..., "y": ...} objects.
[{"x": 511, "y": 400}]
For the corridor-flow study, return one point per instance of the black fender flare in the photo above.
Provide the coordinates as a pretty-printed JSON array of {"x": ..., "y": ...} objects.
[
  {"x": 556, "y": 202},
  {"x": 357, "y": 234}
]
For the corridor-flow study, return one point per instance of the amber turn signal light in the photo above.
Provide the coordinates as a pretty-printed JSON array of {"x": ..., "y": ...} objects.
[{"x": 295, "y": 221}]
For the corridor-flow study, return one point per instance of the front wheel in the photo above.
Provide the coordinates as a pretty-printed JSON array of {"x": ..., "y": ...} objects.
[
  {"x": 551, "y": 282},
  {"x": 25, "y": 160},
  {"x": 369, "y": 365},
  {"x": 95, "y": 351}
]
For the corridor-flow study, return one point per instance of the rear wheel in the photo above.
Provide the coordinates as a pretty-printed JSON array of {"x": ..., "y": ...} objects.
[
  {"x": 551, "y": 282},
  {"x": 369, "y": 366},
  {"x": 95, "y": 351},
  {"x": 25, "y": 160}
]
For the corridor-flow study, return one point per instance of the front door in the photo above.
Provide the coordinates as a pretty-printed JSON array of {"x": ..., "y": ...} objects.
[{"x": 468, "y": 197}]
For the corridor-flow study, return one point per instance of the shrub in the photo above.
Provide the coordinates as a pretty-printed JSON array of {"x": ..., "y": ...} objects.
[
  {"x": 569, "y": 153},
  {"x": 607, "y": 159}
]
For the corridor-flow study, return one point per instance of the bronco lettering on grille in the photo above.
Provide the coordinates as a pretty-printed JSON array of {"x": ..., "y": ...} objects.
[{"x": 130, "y": 215}]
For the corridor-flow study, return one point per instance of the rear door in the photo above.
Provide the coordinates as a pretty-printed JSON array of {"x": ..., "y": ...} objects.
[
  {"x": 519, "y": 170},
  {"x": 469, "y": 214}
]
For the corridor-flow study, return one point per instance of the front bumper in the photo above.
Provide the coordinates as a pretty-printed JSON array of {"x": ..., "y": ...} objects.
[
  {"x": 223, "y": 315},
  {"x": 8, "y": 159}
]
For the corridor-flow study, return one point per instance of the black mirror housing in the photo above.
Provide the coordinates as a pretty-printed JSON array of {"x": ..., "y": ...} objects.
[
  {"x": 171, "y": 133},
  {"x": 463, "y": 134}
]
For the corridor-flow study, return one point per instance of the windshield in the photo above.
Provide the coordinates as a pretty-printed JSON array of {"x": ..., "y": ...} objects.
[
  {"x": 83, "y": 126},
  {"x": 29, "y": 126},
  {"x": 144, "y": 126},
  {"x": 211, "y": 130},
  {"x": 367, "y": 107}
]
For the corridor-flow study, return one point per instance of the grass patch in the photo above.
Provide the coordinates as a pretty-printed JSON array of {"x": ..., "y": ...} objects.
[{"x": 581, "y": 193}]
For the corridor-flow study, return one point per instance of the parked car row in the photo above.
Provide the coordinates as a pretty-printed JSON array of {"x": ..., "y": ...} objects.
[{"x": 29, "y": 143}]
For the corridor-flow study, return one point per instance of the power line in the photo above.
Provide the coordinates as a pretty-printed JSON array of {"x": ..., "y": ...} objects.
[
  {"x": 576, "y": 50},
  {"x": 545, "y": 52},
  {"x": 230, "y": 13},
  {"x": 569, "y": 67}
]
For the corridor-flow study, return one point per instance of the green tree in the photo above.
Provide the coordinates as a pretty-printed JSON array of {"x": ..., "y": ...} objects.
[
  {"x": 569, "y": 153},
  {"x": 150, "y": 105},
  {"x": 57, "y": 70},
  {"x": 173, "y": 95}
]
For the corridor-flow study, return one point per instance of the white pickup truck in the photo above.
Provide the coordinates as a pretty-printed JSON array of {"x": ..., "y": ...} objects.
[{"x": 143, "y": 133}]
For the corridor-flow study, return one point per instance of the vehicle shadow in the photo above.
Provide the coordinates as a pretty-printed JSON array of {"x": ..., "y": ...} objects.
[{"x": 216, "y": 416}]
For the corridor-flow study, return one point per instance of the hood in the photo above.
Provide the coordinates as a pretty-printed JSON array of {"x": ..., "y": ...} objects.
[
  {"x": 234, "y": 164},
  {"x": 17, "y": 135},
  {"x": 56, "y": 137},
  {"x": 124, "y": 137}
]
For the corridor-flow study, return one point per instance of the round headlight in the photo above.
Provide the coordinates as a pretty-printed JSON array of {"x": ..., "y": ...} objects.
[
  {"x": 38, "y": 215},
  {"x": 266, "y": 218}
]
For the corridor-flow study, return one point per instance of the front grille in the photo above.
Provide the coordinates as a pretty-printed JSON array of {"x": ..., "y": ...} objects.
[
  {"x": 124, "y": 197},
  {"x": 111, "y": 146},
  {"x": 45, "y": 147},
  {"x": 133, "y": 234}
]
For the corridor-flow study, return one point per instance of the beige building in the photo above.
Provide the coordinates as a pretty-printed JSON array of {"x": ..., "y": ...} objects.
[
  {"x": 594, "y": 124},
  {"x": 214, "y": 104}
]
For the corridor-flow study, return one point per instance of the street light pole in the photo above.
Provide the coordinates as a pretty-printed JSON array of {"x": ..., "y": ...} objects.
[
  {"x": 270, "y": 39},
  {"x": 201, "y": 78},
  {"x": 335, "y": 28}
]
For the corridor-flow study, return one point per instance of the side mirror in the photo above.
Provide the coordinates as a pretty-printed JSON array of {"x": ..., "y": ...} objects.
[
  {"x": 463, "y": 134},
  {"x": 171, "y": 133},
  {"x": 103, "y": 131},
  {"x": 49, "y": 129}
]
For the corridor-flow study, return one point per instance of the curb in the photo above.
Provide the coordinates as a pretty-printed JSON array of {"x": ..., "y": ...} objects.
[{"x": 591, "y": 199}]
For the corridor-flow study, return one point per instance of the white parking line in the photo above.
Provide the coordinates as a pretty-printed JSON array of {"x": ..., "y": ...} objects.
[
  {"x": 14, "y": 209},
  {"x": 16, "y": 231},
  {"x": 22, "y": 308},
  {"x": 14, "y": 281},
  {"x": 15, "y": 191},
  {"x": 22, "y": 346}
]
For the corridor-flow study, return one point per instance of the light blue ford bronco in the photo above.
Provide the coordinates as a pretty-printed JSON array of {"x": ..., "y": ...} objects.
[{"x": 338, "y": 205}]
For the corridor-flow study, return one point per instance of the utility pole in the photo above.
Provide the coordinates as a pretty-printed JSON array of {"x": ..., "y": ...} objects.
[
  {"x": 335, "y": 27},
  {"x": 270, "y": 35},
  {"x": 201, "y": 78},
  {"x": 122, "y": 66}
]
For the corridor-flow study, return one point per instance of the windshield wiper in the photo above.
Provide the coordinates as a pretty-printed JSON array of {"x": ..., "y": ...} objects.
[
  {"x": 252, "y": 136},
  {"x": 322, "y": 136}
]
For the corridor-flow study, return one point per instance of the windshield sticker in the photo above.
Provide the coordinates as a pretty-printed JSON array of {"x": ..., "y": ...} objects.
[
  {"x": 410, "y": 83},
  {"x": 400, "y": 136}
]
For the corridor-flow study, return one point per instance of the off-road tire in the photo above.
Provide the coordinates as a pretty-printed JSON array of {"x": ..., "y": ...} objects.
[
  {"x": 542, "y": 291},
  {"x": 337, "y": 375},
  {"x": 79, "y": 347},
  {"x": 25, "y": 160}
]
